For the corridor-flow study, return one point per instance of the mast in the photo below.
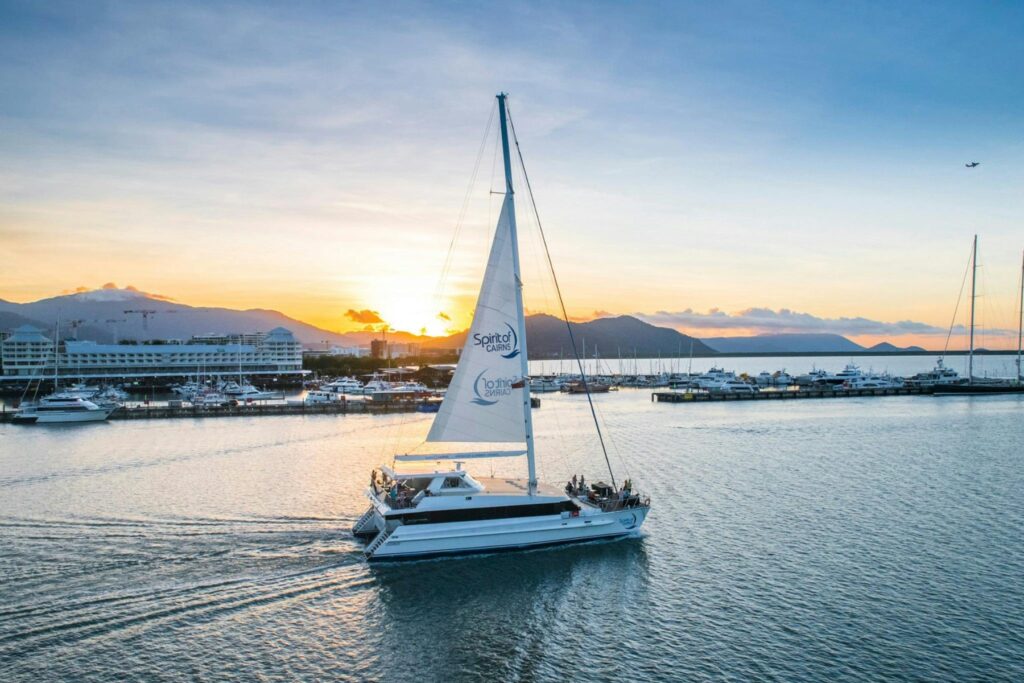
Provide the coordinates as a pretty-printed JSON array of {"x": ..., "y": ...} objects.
[
  {"x": 974, "y": 279},
  {"x": 1020, "y": 321},
  {"x": 520, "y": 317}
]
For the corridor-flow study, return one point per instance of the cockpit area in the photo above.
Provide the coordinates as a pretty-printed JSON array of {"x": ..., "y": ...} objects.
[{"x": 405, "y": 490}]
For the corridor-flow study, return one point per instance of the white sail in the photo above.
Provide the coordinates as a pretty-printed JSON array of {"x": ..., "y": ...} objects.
[{"x": 484, "y": 402}]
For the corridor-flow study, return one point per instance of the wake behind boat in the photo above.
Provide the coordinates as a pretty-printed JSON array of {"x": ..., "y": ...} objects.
[{"x": 432, "y": 512}]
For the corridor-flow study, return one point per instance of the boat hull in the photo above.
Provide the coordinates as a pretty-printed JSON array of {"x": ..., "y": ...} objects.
[
  {"x": 420, "y": 541},
  {"x": 66, "y": 418}
]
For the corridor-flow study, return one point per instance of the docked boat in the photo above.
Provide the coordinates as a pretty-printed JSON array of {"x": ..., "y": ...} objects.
[
  {"x": 344, "y": 385},
  {"x": 587, "y": 387},
  {"x": 870, "y": 381},
  {"x": 320, "y": 397},
  {"x": 244, "y": 392},
  {"x": 442, "y": 510},
  {"x": 939, "y": 375},
  {"x": 62, "y": 408},
  {"x": 731, "y": 386},
  {"x": 544, "y": 385}
]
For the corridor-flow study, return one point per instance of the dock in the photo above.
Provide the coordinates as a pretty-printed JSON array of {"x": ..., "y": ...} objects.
[
  {"x": 702, "y": 396},
  {"x": 163, "y": 412}
]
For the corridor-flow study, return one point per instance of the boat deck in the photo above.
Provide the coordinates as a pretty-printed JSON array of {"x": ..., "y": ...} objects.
[{"x": 503, "y": 486}]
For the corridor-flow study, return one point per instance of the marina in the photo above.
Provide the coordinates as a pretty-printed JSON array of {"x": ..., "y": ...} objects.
[{"x": 787, "y": 395}]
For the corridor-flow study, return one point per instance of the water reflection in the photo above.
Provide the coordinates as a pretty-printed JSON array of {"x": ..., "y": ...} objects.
[{"x": 497, "y": 615}]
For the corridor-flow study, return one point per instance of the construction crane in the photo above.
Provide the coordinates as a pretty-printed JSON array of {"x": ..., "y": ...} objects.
[
  {"x": 145, "y": 313},
  {"x": 74, "y": 325}
]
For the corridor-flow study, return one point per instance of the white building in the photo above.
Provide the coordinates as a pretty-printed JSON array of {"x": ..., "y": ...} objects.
[{"x": 28, "y": 354}]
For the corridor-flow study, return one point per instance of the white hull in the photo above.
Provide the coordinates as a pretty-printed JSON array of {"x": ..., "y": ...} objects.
[
  {"x": 69, "y": 417},
  {"x": 415, "y": 541}
]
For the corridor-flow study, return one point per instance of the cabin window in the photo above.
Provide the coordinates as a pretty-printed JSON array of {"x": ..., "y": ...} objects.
[{"x": 452, "y": 483}]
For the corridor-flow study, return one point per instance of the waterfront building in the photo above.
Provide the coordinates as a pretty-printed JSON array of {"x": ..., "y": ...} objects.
[{"x": 28, "y": 354}]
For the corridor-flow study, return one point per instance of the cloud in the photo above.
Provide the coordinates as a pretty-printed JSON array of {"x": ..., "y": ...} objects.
[
  {"x": 783, "y": 321},
  {"x": 364, "y": 316},
  {"x": 109, "y": 285}
]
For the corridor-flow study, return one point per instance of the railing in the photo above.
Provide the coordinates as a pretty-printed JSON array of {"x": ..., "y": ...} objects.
[
  {"x": 614, "y": 504},
  {"x": 377, "y": 542},
  {"x": 361, "y": 522}
]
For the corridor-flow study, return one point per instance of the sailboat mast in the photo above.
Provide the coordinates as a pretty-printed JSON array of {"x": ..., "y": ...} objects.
[
  {"x": 520, "y": 316},
  {"x": 974, "y": 279},
  {"x": 1020, "y": 321}
]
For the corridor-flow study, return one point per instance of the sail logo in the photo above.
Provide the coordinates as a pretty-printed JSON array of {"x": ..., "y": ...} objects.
[
  {"x": 490, "y": 391},
  {"x": 505, "y": 343}
]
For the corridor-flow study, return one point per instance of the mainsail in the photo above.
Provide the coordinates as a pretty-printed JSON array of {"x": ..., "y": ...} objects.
[{"x": 484, "y": 402}]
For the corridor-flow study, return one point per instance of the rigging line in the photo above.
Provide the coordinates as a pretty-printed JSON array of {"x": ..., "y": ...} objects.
[
  {"x": 446, "y": 268},
  {"x": 956, "y": 309},
  {"x": 561, "y": 302}
]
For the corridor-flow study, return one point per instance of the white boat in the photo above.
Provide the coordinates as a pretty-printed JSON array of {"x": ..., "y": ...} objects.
[
  {"x": 713, "y": 378},
  {"x": 315, "y": 397},
  {"x": 81, "y": 390},
  {"x": 443, "y": 511},
  {"x": 376, "y": 383},
  {"x": 777, "y": 379},
  {"x": 63, "y": 408},
  {"x": 247, "y": 392},
  {"x": 731, "y": 386},
  {"x": 344, "y": 385},
  {"x": 870, "y": 381},
  {"x": 544, "y": 385},
  {"x": 940, "y": 375},
  {"x": 210, "y": 399}
]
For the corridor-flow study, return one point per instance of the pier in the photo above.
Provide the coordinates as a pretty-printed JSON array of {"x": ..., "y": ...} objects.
[
  {"x": 701, "y": 396},
  {"x": 161, "y": 412}
]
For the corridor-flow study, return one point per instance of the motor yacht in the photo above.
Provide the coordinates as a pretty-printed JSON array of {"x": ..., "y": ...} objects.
[
  {"x": 344, "y": 385},
  {"x": 939, "y": 375},
  {"x": 62, "y": 408}
]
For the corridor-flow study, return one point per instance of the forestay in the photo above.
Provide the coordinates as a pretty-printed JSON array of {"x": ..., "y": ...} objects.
[{"x": 484, "y": 402}]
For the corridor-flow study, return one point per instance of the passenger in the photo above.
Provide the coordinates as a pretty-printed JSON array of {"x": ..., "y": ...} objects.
[
  {"x": 574, "y": 482},
  {"x": 570, "y": 487},
  {"x": 583, "y": 484}
]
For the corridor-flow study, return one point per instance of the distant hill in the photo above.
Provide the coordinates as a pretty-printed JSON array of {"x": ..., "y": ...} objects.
[
  {"x": 100, "y": 313},
  {"x": 624, "y": 335},
  {"x": 9, "y": 321},
  {"x": 886, "y": 347},
  {"x": 784, "y": 343},
  {"x": 172, "y": 320}
]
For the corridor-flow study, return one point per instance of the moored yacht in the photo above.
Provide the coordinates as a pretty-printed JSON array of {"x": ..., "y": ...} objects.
[
  {"x": 442, "y": 511},
  {"x": 939, "y": 375},
  {"x": 63, "y": 408},
  {"x": 344, "y": 385}
]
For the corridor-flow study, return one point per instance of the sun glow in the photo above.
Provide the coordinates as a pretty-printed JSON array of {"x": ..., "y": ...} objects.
[{"x": 418, "y": 312}]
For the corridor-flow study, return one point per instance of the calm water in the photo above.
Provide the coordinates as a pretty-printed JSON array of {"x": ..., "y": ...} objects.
[{"x": 856, "y": 539}]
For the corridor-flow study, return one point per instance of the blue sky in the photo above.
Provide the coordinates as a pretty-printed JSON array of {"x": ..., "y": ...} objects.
[{"x": 313, "y": 157}]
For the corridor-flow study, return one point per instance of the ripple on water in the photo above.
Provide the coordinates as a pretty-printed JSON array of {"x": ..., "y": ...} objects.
[{"x": 798, "y": 541}]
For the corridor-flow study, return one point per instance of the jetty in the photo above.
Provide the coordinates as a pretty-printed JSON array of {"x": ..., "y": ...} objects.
[
  {"x": 824, "y": 392},
  {"x": 161, "y": 411}
]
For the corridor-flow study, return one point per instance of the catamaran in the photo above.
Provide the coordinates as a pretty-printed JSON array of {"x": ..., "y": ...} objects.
[{"x": 429, "y": 512}]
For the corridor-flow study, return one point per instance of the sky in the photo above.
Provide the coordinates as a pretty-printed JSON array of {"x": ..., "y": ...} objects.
[{"x": 724, "y": 168}]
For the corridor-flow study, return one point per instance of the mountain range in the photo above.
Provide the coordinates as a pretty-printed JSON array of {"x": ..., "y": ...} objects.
[
  {"x": 105, "y": 314},
  {"x": 798, "y": 343}
]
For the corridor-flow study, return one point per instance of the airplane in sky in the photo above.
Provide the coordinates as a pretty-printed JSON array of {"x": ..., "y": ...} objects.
[{"x": 972, "y": 164}]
